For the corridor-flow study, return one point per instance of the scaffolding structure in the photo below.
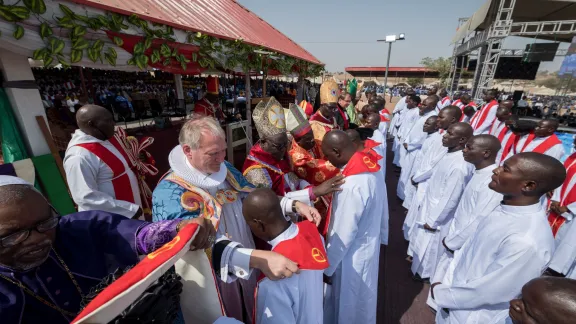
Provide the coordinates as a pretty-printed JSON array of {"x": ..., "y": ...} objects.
[{"x": 486, "y": 44}]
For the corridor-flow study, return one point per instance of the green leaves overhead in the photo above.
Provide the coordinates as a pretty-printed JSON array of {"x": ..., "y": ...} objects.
[
  {"x": 14, "y": 13},
  {"x": 45, "y": 30},
  {"x": 18, "y": 32},
  {"x": 56, "y": 45},
  {"x": 36, "y": 6},
  {"x": 118, "y": 41}
]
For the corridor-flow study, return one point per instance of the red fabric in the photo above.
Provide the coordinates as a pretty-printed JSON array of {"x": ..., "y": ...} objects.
[
  {"x": 311, "y": 167},
  {"x": 344, "y": 117},
  {"x": 509, "y": 146},
  {"x": 120, "y": 181},
  {"x": 308, "y": 109},
  {"x": 203, "y": 107},
  {"x": 141, "y": 270},
  {"x": 384, "y": 117},
  {"x": 361, "y": 162},
  {"x": 319, "y": 118},
  {"x": 369, "y": 146},
  {"x": 502, "y": 133},
  {"x": 543, "y": 147},
  {"x": 480, "y": 116},
  {"x": 212, "y": 85},
  {"x": 306, "y": 249},
  {"x": 566, "y": 198},
  {"x": 174, "y": 67},
  {"x": 276, "y": 169}
]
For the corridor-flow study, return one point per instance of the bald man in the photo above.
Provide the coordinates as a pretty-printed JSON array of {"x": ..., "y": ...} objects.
[
  {"x": 500, "y": 128},
  {"x": 511, "y": 246},
  {"x": 477, "y": 200},
  {"x": 544, "y": 300},
  {"x": 464, "y": 102},
  {"x": 298, "y": 299},
  {"x": 399, "y": 109},
  {"x": 441, "y": 199},
  {"x": 542, "y": 140},
  {"x": 98, "y": 174},
  {"x": 353, "y": 233},
  {"x": 412, "y": 115},
  {"x": 485, "y": 116}
]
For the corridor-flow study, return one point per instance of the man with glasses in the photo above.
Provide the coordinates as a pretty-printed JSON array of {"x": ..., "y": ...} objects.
[{"x": 48, "y": 263}]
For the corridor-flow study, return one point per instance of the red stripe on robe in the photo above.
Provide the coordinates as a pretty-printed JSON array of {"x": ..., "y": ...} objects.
[{"x": 566, "y": 198}]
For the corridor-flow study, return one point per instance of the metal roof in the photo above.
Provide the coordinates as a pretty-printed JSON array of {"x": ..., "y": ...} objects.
[{"x": 219, "y": 18}]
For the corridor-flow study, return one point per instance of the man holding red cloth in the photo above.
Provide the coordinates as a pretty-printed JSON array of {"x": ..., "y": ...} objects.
[{"x": 209, "y": 105}]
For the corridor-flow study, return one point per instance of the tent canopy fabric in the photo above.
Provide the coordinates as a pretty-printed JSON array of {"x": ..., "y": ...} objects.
[
  {"x": 219, "y": 18},
  {"x": 524, "y": 11}
]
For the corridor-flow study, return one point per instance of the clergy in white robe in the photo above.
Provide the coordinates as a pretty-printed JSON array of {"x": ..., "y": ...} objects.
[
  {"x": 561, "y": 219},
  {"x": 397, "y": 112},
  {"x": 444, "y": 101},
  {"x": 477, "y": 200},
  {"x": 409, "y": 189},
  {"x": 353, "y": 234},
  {"x": 441, "y": 199},
  {"x": 543, "y": 140},
  {"x": 410, "y": 117},
  {"x": 500, "y": 128},
  {"x": 98, "y": 175},
  {"x": 485, "y": 116},
  {"x": 433, "y": 152},
  {"x": 298, "y": 299},
  {"x": 511, "y": 246},
  {"x": 412, "y": 144}
]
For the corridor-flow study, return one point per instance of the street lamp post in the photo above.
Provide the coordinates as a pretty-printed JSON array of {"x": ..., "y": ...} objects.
[{"x": 390, "y": 39}]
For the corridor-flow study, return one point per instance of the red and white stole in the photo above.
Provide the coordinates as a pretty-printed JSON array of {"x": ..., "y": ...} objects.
[
  {"x": 567, "y": 194},
  {"x": 120, "y": 180},
  {"x": 547, "y": 144},
  {"x": 306, "y": 249},
  {"x": 360, "y": 162},
  {"x": 507, "y": 143},
  {"x": 480, "y": 116}
]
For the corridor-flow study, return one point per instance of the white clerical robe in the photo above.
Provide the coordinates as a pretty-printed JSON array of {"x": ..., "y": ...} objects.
[
  {"x": 482, "y": 120},
  {"x": 477, "y": 201},
  {"x": 440, "y": 201},
  {"x": 432, "y": 153},
  {"x": 511, "y": 246},
  {"x": 381, "y": 150},
  {"x": 410, "y": 118},
  {"x": 564, "y": 259},
  {"x": 90, "y": 179},
  {"x": 415, "y": 137},
  {"x": 445, "y": 102},
  {"x": 507, "y": 137},
  {"x": 353, "y": 248},
  {"x": 400, "y": 106},
  {"x": 294, "y": 300},
  {"x": 556, "y": 151},
  {"x": 409, "y": 188}
]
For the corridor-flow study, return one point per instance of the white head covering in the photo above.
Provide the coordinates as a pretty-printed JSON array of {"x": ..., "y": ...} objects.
[{"x": 6, "y": 180}]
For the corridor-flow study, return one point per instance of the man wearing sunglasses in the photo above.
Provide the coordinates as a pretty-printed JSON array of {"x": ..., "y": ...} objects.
[{"x": 48, "y": 263}]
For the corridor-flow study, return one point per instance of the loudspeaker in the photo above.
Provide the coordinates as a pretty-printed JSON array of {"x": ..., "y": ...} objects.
[{"x": 514, "y": 68}]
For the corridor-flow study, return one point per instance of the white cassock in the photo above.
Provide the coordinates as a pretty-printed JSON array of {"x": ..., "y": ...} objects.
[
  {"x": 383, "y": 128},
  {"x": 564, "y": 259},
  {"x": 477, "y": 201},
  {"x": 445, "y": 102},
  {"x": 503, "y": 133},
  {"x": 353, "y": 248},
  {"x": 414, "y": 139},
  {"x": 409, "y": 188},
  {"x": 432, "y": 153},
  {"x": 402, "y": 115},
  {"x": 484, "y": 118},
  {"x": 556, "y": 151},
  {"x": 381, "y": 150},
  {"x": 440, "y": 201},
  {"x": 90, "y": 179},
  {"x": 411, "y": 116},
  {"x": 400, "y": 105},
  {"x": 511, "y": 246},
  {"x": 294, "y": 300}
]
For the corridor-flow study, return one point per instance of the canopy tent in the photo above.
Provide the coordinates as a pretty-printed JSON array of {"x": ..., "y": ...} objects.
[{"x": 524, "y": 11}]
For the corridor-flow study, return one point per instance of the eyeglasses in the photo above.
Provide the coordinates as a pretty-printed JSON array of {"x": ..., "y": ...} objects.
[{"x": 41, "y": 227}]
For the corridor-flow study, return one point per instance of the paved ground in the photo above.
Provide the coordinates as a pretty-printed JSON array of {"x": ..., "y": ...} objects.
[{"x": 401, "y": 300}]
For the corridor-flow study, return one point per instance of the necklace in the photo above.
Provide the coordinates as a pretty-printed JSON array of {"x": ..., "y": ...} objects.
[{"x": 42, "y": 300}]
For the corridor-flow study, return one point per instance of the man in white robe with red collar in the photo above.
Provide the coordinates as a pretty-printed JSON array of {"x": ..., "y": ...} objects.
[
  {"x": 297, "y": 299},
  {"x": 411, "y": 115},
  {"x": 485, "y": 116},
  {"x": 97, "y": 169},
  {"x": 441, "y": 200},
  {"x": 353, "y": 234},
  {"x": 500, "y": 128},
  {"x": 444, "y": 101},
  {"x": 542, "y": 140},
  {"x": 561, "y": 218},
  {"x": 464, "y": 101}
]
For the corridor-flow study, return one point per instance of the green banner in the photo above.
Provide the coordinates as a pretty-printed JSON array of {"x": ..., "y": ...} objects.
[{"x": 13, "y": 148}]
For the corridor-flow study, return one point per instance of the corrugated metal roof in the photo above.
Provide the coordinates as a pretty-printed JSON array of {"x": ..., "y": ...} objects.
[
  {"x": 220, "y": 18},
  {"x": 392, "y": 69}
]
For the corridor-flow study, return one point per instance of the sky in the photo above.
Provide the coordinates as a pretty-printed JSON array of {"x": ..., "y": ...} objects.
[{"x": 343, "y": 33}]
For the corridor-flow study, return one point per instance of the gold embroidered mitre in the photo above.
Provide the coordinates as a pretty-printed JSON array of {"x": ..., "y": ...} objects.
[
  {"x": 269, "y": 118},
  {"x": 329, "y": 92}
]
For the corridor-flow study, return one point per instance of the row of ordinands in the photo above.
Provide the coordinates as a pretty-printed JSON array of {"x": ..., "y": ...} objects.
[{"x": 489, "y": 208}]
